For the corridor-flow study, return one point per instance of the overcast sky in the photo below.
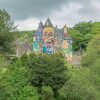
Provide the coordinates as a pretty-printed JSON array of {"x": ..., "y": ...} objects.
[{"x": 28, "y": 13}]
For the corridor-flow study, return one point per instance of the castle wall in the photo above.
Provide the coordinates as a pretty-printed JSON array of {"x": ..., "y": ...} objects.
[{"x": 50, "y": 40}]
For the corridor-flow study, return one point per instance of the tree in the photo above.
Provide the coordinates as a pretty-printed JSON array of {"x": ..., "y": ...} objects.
[
  {"x": 47, "y": 93},
  {"x": 15, "y": 83},
  {"x": 83, "y": 27},
  {"x": 92, "y": 52},
  {"x": 77, "y": 39},
  {"x": 78, "y": 87},
  {"x": 95, "y": 28},
  {"x": 95, "y": 73},
  {"x": 6, "y": 33},
  {"x": 81, "y": 35},
  {"x": 48, "y": 70},
  {"x": 91, "y": 60}
]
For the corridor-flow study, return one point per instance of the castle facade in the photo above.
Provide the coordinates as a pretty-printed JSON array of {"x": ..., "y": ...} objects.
[{"x": 49, "y": 39}]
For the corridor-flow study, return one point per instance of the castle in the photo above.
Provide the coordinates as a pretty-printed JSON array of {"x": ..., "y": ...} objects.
[{"x": 49, "y": 39}]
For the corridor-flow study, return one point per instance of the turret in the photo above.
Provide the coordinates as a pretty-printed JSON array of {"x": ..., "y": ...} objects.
[
  {"x": 48, "y": 31},
  {"x": 65, "y": 32},
  {"x": 38, "y": 33},
  {"x": 65, "y": 29},
  {"x": 48, "y": 23},
  {"x": 48, "y": 37},
  {"x": 40, "y": 27}
]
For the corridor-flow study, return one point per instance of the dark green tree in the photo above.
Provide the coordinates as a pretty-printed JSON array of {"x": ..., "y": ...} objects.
[
  {"x": 48, "y": 70},
  {"x": 83, "y": 27},
  {"x": 6, "y": 33},
  {"x": 77, "y": 39},
  {"x": 81, "y": 35}
]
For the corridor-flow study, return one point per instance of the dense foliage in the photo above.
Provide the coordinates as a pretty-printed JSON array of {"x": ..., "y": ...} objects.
[
  {"x": 82, "y": 33},
  {"x": 92, "y": 52},
  {"x": 91, "y": 60},
  {"x": 15, "y": 85},
  {"x": 47, "y": 73},
  {"x": 47, "y": 70},
  {"x": 6, "y": 33},
  {"x": 80, "y": 86},
  {"x": 22, "y": 34}
]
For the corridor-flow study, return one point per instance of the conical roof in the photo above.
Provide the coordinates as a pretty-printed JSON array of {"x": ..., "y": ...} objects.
[{"x": 48, "y": 23}]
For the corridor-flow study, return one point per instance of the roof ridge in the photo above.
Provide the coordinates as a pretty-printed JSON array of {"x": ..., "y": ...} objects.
[{"x": 48, "y": 23}]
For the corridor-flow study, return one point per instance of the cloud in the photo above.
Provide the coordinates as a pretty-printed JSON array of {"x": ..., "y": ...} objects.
[
  {"x": 23, "y": 9},
  {"x": 91, "y": 10},
  {"x": 27, "y": 13},
  {"x": 29, "y": 24}
]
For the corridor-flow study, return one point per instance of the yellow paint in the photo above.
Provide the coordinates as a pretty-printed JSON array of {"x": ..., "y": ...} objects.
[{"x": 48, "y": 29}]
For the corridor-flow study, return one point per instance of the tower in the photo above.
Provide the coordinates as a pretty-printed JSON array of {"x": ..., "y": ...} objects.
[
  {"x": 57, "y": 39},
  {"x": 39, "y": 32},
  {"x": 48, "y": 37},
  {"x": 67, "y": 44},
  {"x": 37, "y": 38}
]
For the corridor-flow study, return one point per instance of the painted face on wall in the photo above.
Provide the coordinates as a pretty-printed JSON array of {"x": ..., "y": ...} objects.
[{"x": 48, "y": 32}]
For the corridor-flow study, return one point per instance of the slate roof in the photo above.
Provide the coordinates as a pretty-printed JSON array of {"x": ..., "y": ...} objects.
[{"x": 48, "y": 23}]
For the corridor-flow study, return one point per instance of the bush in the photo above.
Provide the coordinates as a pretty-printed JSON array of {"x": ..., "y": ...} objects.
[
  {"x": 15, "y": 85},
  {"x": 47, "y": 93},
  {"x": 78, "y": 88},
  {"x": 48, "y": 70}
]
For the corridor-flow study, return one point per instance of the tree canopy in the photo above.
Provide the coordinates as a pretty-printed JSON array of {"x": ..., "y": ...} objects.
[
  {"x": 82, "y": 33},
  {"x": 92, "y": 51},
  {"x": 6, "y": 33}
]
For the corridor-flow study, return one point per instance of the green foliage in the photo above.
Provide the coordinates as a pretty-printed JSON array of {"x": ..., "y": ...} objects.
[
  {"x": 95, "y": 73},
  {"x": 48, "y": 70},
  {"x": 83, "y": 27},
  {"x": 92, "y": 52},
  {"x": 91, "y": 59},
  {"x": 95, "y": 28},
  {"x": 3, "y": 61},
  {"x": 6, "y": 33},
  {"x": 82, "y": 33},
  {"x": 15, "y": 85},
  {"x": 47, "y": 93},
  {"x": 77, "y": 39},
  {"x": 21, "y": 35},
  {"x": 79, "y": 87}
]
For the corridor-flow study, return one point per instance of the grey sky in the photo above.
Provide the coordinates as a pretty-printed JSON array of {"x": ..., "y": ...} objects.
[{"x": 27, "y": 13}]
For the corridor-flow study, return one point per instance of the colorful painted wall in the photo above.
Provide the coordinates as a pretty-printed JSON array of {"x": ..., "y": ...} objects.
[{"x": 49, "y": 39}]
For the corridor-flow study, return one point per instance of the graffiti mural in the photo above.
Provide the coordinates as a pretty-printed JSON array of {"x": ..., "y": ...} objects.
[{"x": 49, "y": 39}]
